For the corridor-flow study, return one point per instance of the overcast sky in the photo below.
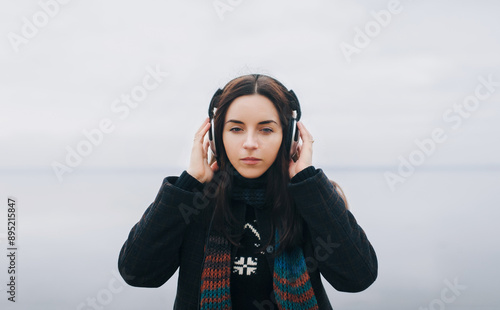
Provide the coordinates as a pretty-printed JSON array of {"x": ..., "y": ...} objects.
[{"x": 369, "y": 82}]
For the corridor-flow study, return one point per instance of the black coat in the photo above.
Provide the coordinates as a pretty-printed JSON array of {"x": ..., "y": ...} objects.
[{"x": 173, "y": 230}]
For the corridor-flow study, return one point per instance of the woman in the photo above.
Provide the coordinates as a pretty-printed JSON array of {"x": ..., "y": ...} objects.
[{"x": 254, "y": 227}]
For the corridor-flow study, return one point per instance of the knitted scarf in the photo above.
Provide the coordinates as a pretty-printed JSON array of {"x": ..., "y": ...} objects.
[{"x": 291, "y": 282}]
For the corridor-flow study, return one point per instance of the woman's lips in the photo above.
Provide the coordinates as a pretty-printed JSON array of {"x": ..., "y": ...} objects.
[{"x": 250, "y": 161}]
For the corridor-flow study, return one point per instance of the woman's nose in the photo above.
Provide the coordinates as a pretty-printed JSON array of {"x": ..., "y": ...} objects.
[{"x": 251, "y": 141}]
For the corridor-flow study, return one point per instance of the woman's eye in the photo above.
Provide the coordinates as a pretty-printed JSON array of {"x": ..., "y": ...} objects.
[{"x": 265, "y": 130}]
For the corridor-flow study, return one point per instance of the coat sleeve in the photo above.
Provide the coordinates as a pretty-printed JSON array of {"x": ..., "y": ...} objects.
[
  {"x": 150, "y": 255},
  {"x": 344, "y": 256}
]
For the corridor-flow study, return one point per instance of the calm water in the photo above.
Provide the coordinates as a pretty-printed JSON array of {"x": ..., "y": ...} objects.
[{"x": 438, "y": 227}]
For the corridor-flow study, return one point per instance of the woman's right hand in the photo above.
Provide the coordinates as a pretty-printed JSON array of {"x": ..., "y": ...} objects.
[{"x": 198, "y": 164}]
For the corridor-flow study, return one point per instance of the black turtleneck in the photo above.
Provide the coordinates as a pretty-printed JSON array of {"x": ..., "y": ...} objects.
[{"x": 251, "y": 278}]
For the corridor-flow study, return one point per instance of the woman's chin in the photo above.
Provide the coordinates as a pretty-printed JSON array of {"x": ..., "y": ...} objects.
[{"x": 250, "y": 173}]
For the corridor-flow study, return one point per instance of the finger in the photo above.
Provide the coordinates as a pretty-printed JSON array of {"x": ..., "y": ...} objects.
[
  {"x": 306, "y": 149},
  {"x": 205, "y": 149},
  {"x": 200, "y": 134},
  {"x": 304, "y": 133},
  {"x": 215, "y": 166},
  {"x": 205, "y": 121},
  {"x": 207, "y": 125}
]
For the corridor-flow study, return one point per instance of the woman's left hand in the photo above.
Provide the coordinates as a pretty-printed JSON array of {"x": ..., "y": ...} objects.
[{"x": 304, "y": 152}]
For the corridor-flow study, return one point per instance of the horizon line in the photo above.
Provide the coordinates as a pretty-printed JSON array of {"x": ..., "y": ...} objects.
[{"x": 351, "y": 168}]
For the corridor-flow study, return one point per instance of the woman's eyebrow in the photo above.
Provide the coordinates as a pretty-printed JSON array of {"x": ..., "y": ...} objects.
[{"x": 260, "y": 123}]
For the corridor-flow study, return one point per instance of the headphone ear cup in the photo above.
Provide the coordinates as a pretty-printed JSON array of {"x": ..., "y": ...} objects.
[
  {"x": 294, "y": 103},
  {"x": 211, "y": 137},
  {"x": 294, "y": 143},
  {"x": 211, "y": 114},
  {"x": 291, "y": 142}
]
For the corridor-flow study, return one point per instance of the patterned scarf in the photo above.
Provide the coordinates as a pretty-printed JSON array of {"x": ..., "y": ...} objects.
[{"x": 291, "y": 282}]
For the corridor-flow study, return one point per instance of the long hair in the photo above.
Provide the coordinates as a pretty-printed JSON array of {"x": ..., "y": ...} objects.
[{"x": 284, "y": 214}]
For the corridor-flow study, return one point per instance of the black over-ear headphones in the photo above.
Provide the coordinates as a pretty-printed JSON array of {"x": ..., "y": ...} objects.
[{"x": 292, "y": 132}]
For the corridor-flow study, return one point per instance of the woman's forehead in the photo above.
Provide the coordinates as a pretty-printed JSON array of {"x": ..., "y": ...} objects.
[{"x": 252, "y": 109}]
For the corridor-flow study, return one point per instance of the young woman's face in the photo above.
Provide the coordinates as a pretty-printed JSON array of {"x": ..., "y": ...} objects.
[{"x": 252, "y": 129}]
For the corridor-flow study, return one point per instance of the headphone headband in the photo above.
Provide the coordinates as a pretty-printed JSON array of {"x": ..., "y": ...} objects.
[
  {"x": 215, "y": 99},
  {"x": 294, "y": 104}
]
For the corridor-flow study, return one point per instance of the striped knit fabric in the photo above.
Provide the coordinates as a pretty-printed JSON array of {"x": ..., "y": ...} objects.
[
  {"x": 215, "y": 292},
  {"x": 292, "y": 286}
]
